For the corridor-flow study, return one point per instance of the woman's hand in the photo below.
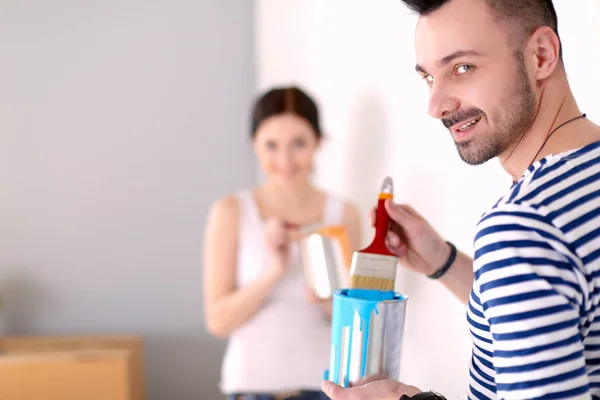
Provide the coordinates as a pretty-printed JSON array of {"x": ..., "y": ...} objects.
[
  {"x": 326, "y": 305},
  {"x": 277, "y": 237}
]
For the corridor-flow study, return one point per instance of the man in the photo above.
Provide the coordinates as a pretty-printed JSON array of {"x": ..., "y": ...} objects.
[{"x": 497, "y": 82}]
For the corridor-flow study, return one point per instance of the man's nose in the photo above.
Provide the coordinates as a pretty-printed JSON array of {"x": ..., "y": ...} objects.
[{"x": 441, "y": 102}]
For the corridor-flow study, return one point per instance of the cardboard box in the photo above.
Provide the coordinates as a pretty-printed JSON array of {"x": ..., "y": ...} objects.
[{"x": 71, "y": 368}]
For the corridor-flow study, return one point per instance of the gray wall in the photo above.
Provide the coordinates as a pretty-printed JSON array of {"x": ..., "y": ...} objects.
[{"x": 120, "y": 122}]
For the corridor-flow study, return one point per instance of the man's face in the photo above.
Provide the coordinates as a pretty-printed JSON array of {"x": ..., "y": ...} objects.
[{"x": 479, "y": 87}]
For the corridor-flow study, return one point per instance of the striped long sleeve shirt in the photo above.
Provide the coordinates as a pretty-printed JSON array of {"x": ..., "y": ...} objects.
[{"x": 534, "y": 312}]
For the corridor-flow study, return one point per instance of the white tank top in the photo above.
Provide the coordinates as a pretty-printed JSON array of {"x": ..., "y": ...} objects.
[{"x": 285, "y": 346}]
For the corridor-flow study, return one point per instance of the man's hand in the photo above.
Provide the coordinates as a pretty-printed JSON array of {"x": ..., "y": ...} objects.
[
  {"x": 418, "y": 246},
  {"x": 370, "y": 388}
]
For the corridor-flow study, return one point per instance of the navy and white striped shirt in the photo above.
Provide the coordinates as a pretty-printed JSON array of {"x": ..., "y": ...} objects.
[{"x": 534, "y": 311}]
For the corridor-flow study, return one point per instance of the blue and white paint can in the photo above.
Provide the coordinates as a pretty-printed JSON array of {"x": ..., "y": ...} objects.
[{"x": 366, "y": 335}]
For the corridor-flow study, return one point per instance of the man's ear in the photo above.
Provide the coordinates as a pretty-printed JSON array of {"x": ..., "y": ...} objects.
[{"x": 545, "y": 50}]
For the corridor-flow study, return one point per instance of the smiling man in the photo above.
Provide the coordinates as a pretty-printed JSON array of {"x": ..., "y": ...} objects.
[{"x": 497, "y": 82}]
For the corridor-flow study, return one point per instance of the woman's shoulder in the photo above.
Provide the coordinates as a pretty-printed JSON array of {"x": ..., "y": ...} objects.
[
  {"x": 231, "y": 201},
  {"x": 338, "y": 197},
  {"x": 228, "y": 206},
  {"x": 344, "y": 211}
]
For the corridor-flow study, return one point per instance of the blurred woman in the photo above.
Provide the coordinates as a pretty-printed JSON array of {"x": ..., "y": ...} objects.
[{"x": 254, "y": 288}]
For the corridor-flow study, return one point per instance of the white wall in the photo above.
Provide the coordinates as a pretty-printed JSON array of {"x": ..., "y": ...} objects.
[
  {"x": 120, "y": 122},
  {"x": 357, "y": 58}
]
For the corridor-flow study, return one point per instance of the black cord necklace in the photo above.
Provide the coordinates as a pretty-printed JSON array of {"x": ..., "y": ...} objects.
[{"x": 550, "y": 134}]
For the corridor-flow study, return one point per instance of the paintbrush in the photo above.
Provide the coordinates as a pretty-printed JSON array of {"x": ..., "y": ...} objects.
[{"x": 374, "y": 268}]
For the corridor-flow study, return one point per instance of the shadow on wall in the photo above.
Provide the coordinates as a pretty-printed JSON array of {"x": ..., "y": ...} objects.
[
  {"x": 369, "y": 161},
  {"x": 23, "y": 301},
  {"x": 367, "y": 137},
  {"x": 426, "y": 191},
  {"x": 190, "y": 359},
  {"x": 427, "y": 183}
]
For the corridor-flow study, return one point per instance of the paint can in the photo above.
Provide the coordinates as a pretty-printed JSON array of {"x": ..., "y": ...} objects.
[
  {"x": 326, "y": 256},
  {"x": 367, "y": 335}
]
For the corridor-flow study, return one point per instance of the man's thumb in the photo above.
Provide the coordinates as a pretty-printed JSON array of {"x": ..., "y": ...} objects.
[
  {"x": 331, "y": 389},
  {"x": 395, "y": 212}
]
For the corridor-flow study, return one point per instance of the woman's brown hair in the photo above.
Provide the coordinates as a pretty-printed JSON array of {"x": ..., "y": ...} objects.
[{"x": 281, "y": 100}]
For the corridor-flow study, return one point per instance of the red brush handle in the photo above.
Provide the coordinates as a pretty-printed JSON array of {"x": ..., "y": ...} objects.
[{"x": 382, "y": 222}]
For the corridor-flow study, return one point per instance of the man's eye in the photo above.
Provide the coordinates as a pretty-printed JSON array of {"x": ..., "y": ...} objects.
[
  {"x": 428, "y": 78},
  {"x": 463, "y": 68}
]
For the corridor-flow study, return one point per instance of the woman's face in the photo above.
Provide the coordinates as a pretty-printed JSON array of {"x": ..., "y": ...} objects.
[{"x": 285, "y": 145}]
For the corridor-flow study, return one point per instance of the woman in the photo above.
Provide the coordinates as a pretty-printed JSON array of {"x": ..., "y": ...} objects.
[{"x": 254, "y": 287}]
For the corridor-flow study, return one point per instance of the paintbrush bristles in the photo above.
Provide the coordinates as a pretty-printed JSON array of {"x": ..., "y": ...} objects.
[
  {"x": 371, "y": 283},
  {"x": 373, "y": 271}
]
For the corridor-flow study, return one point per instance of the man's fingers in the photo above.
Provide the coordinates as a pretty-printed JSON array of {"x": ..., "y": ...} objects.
[
  {"x": 367, "y": 379},
  {"x": 336, "y": 392},
  {"x": 409, "y": 209},
  {"x": 402, "y": 250},
  {"x": 401, "y": 219},
  {"x": 397, "y": 212},
  {"x": 393, "y": 240},
  {"x": 333, "y": 391},
  {"x": 396, "y": 245}
]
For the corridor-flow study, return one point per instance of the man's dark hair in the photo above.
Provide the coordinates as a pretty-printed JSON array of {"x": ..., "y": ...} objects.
[{"x": 527, "y": 15}]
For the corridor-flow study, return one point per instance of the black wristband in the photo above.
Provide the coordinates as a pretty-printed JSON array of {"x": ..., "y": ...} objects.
[
  {"x": 424, "y": 396},
  {"x": 438, "y": 274}
]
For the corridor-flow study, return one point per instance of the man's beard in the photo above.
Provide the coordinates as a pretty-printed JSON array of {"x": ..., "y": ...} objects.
[{"x": 516, "y": 112}]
